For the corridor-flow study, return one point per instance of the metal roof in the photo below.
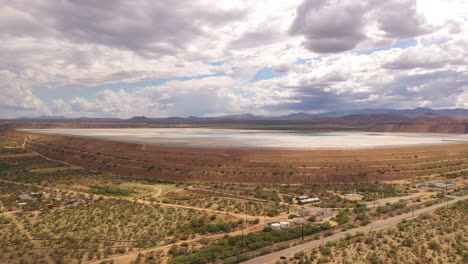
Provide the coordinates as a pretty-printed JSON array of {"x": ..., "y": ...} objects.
[{"x": 24, "y": 197}]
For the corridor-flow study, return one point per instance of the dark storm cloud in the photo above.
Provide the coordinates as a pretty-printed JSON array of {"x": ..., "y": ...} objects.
[
  {"x": 327, "y": 29},
  {"x": 430, "y": 86},
  {"x": 255, "y": 39},
  {"x": 321, "y": 99},
  {"x": 391, "y": 14},
  {"x": 336, "y": 26},
  {"x": 440, "y": 89},
  {"x": 163, "y": 26}
]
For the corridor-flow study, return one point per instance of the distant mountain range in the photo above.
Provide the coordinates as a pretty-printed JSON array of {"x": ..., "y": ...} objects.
[
  {"x": 300, "y": 115},
  {"x": 41, "y": 117},
  {"x": 380, "y": 111},
  {"x": 419, "y": 120}
]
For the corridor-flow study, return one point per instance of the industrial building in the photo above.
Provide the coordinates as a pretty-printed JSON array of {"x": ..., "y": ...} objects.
[
  {"x": 24, "y": 197},
  {"x": 308, "y": 201},
  {"x": 298, "y": 198},
  {"x": 441, "y": 184}
]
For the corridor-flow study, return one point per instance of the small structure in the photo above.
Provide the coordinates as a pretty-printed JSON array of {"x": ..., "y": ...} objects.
[
  {"x": 298, "y": 221},
  {"x": 275, "y": 227},
  {"x": 72, "y": 201},
  {"x": 36, "y": 195},
  {"x": 320, "y": 213},
  {"x": 269, "y": 223},
  {"x": 21, "y": 204},
  {"x": 354, "y": 195},
  {"x": 298, "y": 198},
  {"x": 308, "y": 201},
  {"x": 306, "y": 213},
  {"x": 441, "y": 184},
  {"x": 285, "y": 225},
  {"x": 24, "y": 197}
]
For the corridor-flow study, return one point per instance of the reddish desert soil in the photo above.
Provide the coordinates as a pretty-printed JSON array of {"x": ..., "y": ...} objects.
[{"x": 251, "y": 166}]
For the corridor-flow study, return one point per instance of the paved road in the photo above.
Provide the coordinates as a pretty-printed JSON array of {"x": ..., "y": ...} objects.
[
  {"x": 383, "y": 201},
  {"x": 377, "y": 225}
]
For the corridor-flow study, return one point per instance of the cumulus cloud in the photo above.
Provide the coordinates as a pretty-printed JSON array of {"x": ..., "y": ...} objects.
[
  {"x": 423, "y": 75},
  {"x": 107, "y": 55},
  {"x": 339, "y": 25},
  {"x": 207, "y": 96},
  {"x": 16, "y": 96},
  {"x": 281, "y": 68}
]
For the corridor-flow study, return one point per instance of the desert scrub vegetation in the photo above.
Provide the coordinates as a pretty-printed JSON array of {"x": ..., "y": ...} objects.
[
  {"x": 27, "y": 163},
  {"x": 15, "y": 246},
  {"x": 233, "y": 245},
  {"x": 434, "y": 238},
  {"x": 370, "y": 191},
  {"x": 106, "y": 190},
  {"x": 40, "y": 171},
  {"x": 266, "y": 192},
  {"x": 4, "y": 150},
  {"x": 227, "y": 204},
  {"x": 328, "y": 193},
  {"x": 152, "y": 257},
  {"x": 454, "y": 175},
  {"x": 109, "y": 226},
  {"x": 9, "y": 196},
  {"x": 9, "y": 146},
  {"x": 57, "y": 177}
]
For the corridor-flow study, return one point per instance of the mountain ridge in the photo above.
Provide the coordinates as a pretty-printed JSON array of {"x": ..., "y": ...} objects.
[{"x": 297, "y": 115}]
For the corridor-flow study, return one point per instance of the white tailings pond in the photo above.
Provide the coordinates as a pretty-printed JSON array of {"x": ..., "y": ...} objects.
[{"x": 259, "y": 139}]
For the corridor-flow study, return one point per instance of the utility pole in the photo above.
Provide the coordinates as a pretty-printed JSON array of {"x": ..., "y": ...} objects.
[
  {"x": 242, "y": 245},
  {"x": 446, "y": 194},
  {"x": 372, "y": 219},
  {"x": 212, "y": 253},
  {"x": 379, "y": 210},
  {"x": 302, "y": 231}
]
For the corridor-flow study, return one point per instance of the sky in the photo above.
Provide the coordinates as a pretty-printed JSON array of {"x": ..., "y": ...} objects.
[{"x": 160, "y": 58}]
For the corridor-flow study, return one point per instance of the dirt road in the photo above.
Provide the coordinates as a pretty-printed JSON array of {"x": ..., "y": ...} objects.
[
  {"x": 209, "y": 211},
  {"x": 129, "y": 257}
]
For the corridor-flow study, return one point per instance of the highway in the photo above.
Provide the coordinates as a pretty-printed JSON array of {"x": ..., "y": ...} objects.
[{"x": 375, "y": 225}]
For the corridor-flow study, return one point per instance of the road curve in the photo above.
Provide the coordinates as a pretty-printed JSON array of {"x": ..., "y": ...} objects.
[{"x": 376, "y": 225}]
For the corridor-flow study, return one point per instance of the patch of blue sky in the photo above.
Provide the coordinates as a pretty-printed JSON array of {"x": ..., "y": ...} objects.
[
  {"x": 265, "y": 74},
  {"x": 215, "y": 63},
  {"x": 401, "y": 44},
  {"x": 90, "y": 92},
  {"x": 304, "y": 61},
  {"x": 8, "y": 69}
]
